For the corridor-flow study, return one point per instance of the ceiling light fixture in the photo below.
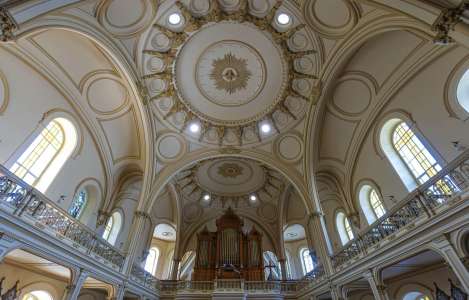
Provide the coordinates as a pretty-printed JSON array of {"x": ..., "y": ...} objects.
[
  {"x": 283, "y": 19},
  {"x": 266, "y": 128},
  {"x": 194, "y": 128},
  {"x": 253, "y": 197},
  {"x": 206, "y": 197},
  {"x": 174, "y": 19}
]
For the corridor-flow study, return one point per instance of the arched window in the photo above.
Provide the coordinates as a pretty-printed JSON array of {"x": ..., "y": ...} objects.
[
  {"x": 152, "y": 260},
  {"x": 38, "y": 295},
  {"x": 271, "y": 265},
  {"x": 113, "y": 227},
  {"x": 42, "y": 160},
  {"x": 307, "y": 261},
  {"x": 415, "y": 296},
  {"x": 78, "y": 204},
  {"x": 462, "y": 92},
  {"x": 371, "y": 203},
  {"x": 344, "y": 228},
  {"x": 418, "y": 159}
]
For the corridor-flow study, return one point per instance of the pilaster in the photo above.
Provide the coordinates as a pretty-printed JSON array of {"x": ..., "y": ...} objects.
[
  {"x": 447, "y": 250},
  {"x": 137, "y": 231},
  {"x": 377, "y": 286},
  {"x": 174, "y": 270},
  {"x": 73, "y": 290},
  {"x": 315, "y": 229}
]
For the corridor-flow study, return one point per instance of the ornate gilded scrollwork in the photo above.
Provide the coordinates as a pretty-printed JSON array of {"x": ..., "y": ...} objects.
[
  {"x": 216, "y": 14},
  {"x": 446, "y": 22}
]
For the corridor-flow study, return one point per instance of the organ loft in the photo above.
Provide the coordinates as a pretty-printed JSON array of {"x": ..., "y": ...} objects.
[{"x": 229, "y": 253}]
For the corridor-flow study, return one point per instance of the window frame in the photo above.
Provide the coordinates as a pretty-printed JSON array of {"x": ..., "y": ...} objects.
[
  {"x": 83, "y": 206},
  {"x": 306, "y": 251},
  {"x": 154, "y": 266},
  {"x": 38, "y": 139}
]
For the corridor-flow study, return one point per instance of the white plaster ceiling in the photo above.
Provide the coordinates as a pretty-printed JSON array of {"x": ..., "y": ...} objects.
[{"x": 38, "y": 264}]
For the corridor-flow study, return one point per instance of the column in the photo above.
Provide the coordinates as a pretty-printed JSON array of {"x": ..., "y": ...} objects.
[
  {"x": 336, "y": 293},
  {"x": 315, "y": 229},
  {"x": 119, "y": 292},
  {"x": 73, "y": 290},
  {"x": 136, "y": 232},
  {"x": 376, "y": 285},
  {"x": 283, "y": 266},
  {"x": 446, "y": 249},
  {"x": 174, "y": 269}
]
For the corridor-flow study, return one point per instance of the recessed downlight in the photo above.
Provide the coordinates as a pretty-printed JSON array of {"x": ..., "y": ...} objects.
[
  {"x": 266, "y": 128},
  {"x": 194, "y": 127},
  {"x": 283, "y": 19},
  {"x": 174, "y": 19},
  {"x": 206, "y": 197},
  {"x": 253, "y": 197}
]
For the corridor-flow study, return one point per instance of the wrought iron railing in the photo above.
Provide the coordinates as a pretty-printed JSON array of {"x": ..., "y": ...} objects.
[
  {"x": 31, "y": 206},
  {"x": 424, "y": 202},
  {"x": 143, "y": 277}
]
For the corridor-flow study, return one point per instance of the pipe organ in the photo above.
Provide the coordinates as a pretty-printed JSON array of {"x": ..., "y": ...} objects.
[{"x": 229, "y": 253}]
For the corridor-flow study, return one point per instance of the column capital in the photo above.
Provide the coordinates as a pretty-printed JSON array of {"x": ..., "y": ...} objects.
[
  {"x": 142, "y": 214},
  {"x": 7, "y": 26}
]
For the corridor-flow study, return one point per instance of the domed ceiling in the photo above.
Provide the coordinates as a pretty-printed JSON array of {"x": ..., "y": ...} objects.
[
  {"x": 245, "y": 185},
  {"x": 230, "y": 72}
]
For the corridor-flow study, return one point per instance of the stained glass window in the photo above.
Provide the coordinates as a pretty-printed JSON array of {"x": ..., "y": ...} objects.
[
  {"x": 39, "y": 155},
  {"x": 307, "y": 260},
  {"x": 376, "y": 204},
  {"x": 78, "y": 204},
  {"x": 417, "y": 158}
]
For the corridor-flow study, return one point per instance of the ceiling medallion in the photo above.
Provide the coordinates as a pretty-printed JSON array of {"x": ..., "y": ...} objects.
[
  {"x": 230, "y": 170},
  {"x": 230, "y": 73}
]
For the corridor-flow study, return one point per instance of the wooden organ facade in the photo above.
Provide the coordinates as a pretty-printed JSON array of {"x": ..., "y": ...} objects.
[{"x": 229, "y": 253}]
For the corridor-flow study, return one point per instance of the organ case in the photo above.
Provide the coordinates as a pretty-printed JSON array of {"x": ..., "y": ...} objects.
[{"x": 229, "y": 253}]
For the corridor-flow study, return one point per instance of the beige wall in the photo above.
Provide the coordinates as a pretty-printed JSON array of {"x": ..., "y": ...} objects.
[{"x": 32, "y": 280}]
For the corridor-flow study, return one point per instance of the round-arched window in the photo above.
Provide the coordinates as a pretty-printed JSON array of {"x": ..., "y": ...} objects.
[
  {"x": 462, "y": 92},
  {"x": 415, "y": 296},
  {"x": 38, "y": 295}
]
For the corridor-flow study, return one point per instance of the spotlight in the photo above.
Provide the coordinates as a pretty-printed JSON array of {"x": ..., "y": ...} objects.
[
  {"x": 283, "y": 19},
  {"x": 194, "y": 128},
  {"x": 174, "y": 19},
  {"x": 265, "y": 128}
]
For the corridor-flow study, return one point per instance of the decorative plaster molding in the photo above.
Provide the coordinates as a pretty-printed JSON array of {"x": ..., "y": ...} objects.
[
  {"x": 7, "y": 26},
  {"x": 446, "y": 22}
]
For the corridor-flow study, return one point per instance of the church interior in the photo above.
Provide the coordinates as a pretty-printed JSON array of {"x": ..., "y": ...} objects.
[{"x": 234, "y": 149}]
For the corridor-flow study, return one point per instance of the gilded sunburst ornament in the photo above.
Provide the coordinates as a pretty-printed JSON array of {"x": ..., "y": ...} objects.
[
  {"x": 230, "y": 73},
  {"x": 230, "y": 170}
]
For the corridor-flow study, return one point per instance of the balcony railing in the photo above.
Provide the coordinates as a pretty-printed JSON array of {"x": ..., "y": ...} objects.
[
  {"x": 422, "y": 203},
  {"x": 24, "y": 202},
  {"x": 144, "y": 278}
]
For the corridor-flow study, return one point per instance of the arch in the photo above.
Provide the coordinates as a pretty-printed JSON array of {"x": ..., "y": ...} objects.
[
  {"x": 39, "y": 160},
  {"x": 462, "y": 93},
  {"x": 113, "y": 227},
  {"x": 413, "y": 291},
  {"x": 48, "y": 291},
  {"x": 151, "y": 262},
  {"x": 343, "y": 228},
  {"x": 370, "y": 201}
]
